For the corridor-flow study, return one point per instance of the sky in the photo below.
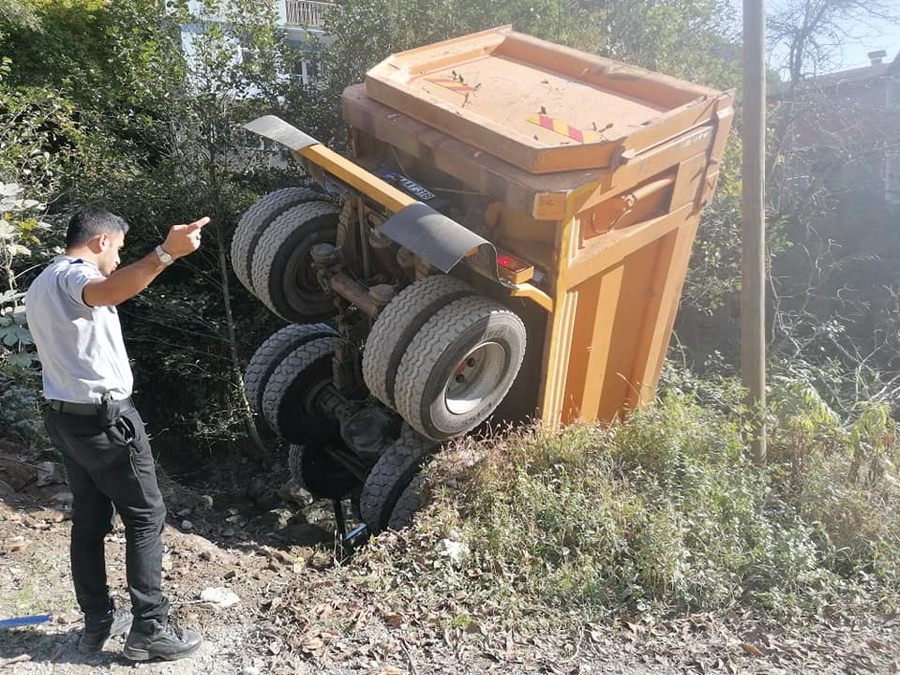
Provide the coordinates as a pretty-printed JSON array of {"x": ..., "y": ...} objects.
[
  {"x": 875, "y": 35},
  {"x": 882, "y": 35}
]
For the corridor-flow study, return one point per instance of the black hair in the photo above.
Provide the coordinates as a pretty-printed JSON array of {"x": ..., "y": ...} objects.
[{"x": 89, "y": 221}]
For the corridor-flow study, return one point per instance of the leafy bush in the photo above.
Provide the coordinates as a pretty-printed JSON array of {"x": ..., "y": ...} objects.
[{"x": 19, "y": 380}]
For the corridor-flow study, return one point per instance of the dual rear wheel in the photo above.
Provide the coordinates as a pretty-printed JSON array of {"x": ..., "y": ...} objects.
[
  {"x": 443, "y": 356},
  {"x": 271, "y": 252},
  {"x": 440, "y": 355}
]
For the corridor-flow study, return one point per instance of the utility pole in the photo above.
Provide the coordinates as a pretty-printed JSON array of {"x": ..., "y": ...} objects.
[{"x": 753, "y": 221}]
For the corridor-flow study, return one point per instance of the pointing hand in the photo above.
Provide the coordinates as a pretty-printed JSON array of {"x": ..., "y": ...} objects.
[{"x": 183, "y": 240}]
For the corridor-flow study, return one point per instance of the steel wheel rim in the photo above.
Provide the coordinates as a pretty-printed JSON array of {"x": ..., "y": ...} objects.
[
  {"x": 475, "y": 377},
  {"x": 304, "y": 278}
]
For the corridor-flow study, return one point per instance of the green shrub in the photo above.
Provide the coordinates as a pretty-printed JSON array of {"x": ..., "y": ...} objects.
[{"x": 843, "y": 482}]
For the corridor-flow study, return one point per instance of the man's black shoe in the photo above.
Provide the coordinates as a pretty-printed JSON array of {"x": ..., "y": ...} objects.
[
  {"x": 95, "y": 635},
  {"x": 167, "y": 641}
]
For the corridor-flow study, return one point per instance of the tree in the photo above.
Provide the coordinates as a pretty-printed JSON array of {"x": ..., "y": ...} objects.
[
  {"x": 39, "y": 141},
  {"x": 96, "y": 107},
  {"x": 833, "y": 290},
  {"x": 239, "y": 68},
  {"x": 808, "y": 34},
  {"x": 18, "y": 13}
]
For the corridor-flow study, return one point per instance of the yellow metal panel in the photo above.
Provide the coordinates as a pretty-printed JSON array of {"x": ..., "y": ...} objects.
[
  {"x": 661, "y": 296},
  {"x": 549, "y": 206},
  {"x": 613, "y": 309},
  {"x": 558, "y": 336},
  {"x": 533, "y": 293},
  {"x": 668, "y": 279},
  {"x": 589, "y": 361},
  {"x": 557, "y": 357},
  {"x": 647, "y": 165},
  {"x": 605, "y": 251},
  {"x": 691, "y": 174},
  {"x": 512, "y": 77},
  {"x": 625, "y": 347},
  {"x": 355, "y": 176},
  {"x": 661, "y": 327},
  {"x": 587, "y": 294},
  {"x": 723, "y": 118}
]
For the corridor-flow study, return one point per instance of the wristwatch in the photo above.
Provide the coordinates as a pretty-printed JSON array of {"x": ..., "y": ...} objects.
[{"x": 164, "y": 257}]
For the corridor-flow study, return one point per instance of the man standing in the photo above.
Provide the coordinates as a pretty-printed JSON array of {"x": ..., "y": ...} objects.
[{"x": 71, "y": 309}]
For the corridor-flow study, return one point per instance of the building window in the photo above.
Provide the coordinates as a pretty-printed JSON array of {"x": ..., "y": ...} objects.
[{"x": 307, "y": 69}]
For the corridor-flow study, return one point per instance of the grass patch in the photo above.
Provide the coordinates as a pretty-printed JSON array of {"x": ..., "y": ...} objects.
[{"x": 665, "y": 511}]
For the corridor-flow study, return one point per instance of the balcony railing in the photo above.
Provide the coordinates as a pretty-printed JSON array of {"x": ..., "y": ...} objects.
[{"x": 306, "y": 12}]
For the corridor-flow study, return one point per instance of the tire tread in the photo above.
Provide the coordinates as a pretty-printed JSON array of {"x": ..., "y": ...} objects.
[
  {"x": 254, "y": 222},
  {"x": 391, "y": 475},
  {"x": 287, "y": 371},
  {"x": 408, "y": 504},
  {"x": 274, "y": 238},
  {"x": 430, "y": 343},
  {"x": 270, "y": 353},
  {"x": 397, "y": 325}
]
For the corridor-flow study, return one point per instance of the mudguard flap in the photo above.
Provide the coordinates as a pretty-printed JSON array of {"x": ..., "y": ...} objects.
[
  {"x": 428, "y": 233},
  {"x": 440, "y": 240},
  {"x": 278, "y": 130}
]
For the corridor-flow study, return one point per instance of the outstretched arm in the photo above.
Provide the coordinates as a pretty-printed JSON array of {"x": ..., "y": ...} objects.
[{"x": 128, "y": 281}]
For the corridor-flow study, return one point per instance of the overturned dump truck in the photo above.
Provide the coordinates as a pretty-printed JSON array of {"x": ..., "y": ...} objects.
[{"x": 509, "y": 240}]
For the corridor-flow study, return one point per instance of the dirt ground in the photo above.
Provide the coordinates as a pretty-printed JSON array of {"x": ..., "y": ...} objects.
[{"x": 298, "y": 614}]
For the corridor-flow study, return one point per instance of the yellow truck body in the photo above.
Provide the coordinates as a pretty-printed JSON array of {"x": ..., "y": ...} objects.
[{"x": 600, "y": 172}]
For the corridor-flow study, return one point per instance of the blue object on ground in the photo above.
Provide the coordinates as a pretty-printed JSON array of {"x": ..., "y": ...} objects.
[{"x": 24, "y": 621}]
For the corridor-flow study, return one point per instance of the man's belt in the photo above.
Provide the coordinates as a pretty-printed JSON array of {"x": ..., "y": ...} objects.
[{"x": 87, "y": 408}]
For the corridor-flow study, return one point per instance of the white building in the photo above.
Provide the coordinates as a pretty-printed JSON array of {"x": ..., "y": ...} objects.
[{"x": 303, "y": 22}]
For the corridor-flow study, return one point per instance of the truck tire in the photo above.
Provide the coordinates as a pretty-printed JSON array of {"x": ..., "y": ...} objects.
[
  {"x": 295, "y": 463},
  {"x": 283, "y": 274},
  {"x": 313, "y": 468},
  {"x": 391, "y": 475},
  {"x": 396, "y": 326},
  {"x": 459, "y": 366},
  {"x": 270, "y": 353},
  {"x": 411, "y": 500},
  {"x": 254, "y": 222},
  {"x": 287, "y": 403}
]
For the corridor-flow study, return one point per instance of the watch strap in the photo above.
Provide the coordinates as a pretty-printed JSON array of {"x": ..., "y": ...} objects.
[{"x": 164, "y": 257}]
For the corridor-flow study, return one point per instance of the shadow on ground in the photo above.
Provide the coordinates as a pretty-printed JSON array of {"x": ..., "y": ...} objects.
[{"x": 53, "y": 647}]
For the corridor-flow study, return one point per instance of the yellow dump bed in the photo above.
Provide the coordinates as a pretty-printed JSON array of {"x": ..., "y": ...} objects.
[
  {"x": 539, "y": 106},
  {"x": 596, "y": 173}
]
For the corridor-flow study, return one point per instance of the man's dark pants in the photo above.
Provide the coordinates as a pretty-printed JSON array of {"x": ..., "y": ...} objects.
[{"x": 112, "y": 466}]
